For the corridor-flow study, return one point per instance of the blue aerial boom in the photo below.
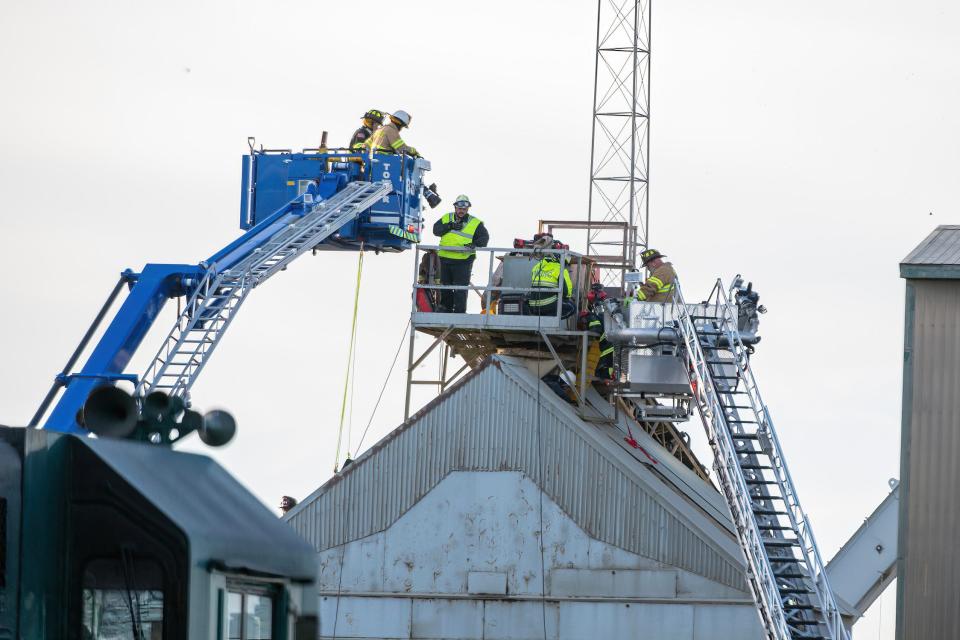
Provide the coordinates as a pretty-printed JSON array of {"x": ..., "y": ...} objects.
[{"x": 291, "y": 203}]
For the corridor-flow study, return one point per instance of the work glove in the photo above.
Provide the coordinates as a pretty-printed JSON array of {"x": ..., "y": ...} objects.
[
  {"x": 456, "y": 225},
  {"x": 469, "y": 246}
]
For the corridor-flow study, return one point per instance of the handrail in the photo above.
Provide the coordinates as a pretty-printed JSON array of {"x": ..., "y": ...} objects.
[
  {"x": 566, "y": 256},
  {"x": 795, "y": 512},
  {"x": 723, "y": 431}
]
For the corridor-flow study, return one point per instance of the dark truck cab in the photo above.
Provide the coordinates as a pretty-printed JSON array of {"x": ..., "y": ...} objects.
[{"x": 104, "y": 538}]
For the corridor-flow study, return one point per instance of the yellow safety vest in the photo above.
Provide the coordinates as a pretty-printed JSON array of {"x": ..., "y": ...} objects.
[
  {"x": 546, "y": 275},
  {"x": 461, "y": 238}
]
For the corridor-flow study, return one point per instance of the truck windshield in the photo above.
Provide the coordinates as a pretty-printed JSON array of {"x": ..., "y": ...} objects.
[
  {"x": 115, "y": 614},
  {"x": 122, "y": 599}
]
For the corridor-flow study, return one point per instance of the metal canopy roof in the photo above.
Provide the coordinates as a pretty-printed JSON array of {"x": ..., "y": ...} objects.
[
  {"x": 938, "y": 256},
  {"x": 224, "y": 523},
  {"x": 500, "y": 417}
]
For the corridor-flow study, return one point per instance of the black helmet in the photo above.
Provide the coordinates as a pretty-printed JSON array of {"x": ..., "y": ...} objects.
[
  {"x": 375, "y": 115},
  {"x": 650, "y": 254}
]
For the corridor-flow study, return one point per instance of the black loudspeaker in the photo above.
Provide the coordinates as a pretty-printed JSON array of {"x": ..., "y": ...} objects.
[
  {"x": 109, "y": 412},
  {"x": 218, "y": 428}
]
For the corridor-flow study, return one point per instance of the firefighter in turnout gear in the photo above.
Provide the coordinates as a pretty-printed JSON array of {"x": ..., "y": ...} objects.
[
  {"x": 546, "y": 275},
  {"x": 593, "y": 323},
  {"x": 659, "y": 286},
  {"x": 458, "y": 230},
  {"x": 371, "y": 121},
  {"x": 387, "y": 138}
]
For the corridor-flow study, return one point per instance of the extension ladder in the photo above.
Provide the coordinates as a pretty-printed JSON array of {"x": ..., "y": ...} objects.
[
  {"x": 784, "y": 567},
  {"x": 216, "y": 298}
]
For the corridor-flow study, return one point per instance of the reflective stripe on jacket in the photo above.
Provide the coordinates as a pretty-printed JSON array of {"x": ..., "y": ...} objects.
[
  {"x": 459, "y": 238},
  {"x": 387, "y": 139},
  {"x": 360, "y": 136},
  {"x": 659, "y": 286},
  {"x": 546, "y": 275}
]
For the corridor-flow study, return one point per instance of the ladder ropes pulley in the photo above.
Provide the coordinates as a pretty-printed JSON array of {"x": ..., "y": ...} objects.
[{"x": 351, "y": 367}]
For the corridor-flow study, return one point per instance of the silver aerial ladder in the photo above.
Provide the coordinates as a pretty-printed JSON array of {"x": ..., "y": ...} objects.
[
  {"x": 784, "y": 567},
  {"x": 214, "y": 302}
]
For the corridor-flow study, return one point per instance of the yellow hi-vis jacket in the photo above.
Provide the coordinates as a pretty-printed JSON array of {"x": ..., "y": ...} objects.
[
  {"x": 659, "y": 286},
  {"x": 461, "y": 238},
  {"x": 387, "y": 139},
  {"x": 546, "y": 275}
]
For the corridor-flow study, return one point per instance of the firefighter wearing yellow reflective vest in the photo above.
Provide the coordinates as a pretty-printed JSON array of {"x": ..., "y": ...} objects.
[
  {"x": 387, "y": 138},
  {"x": 372, "y": 120},
  {"x": 659, "y": 286},
  {"x": 459, "y": 234},
  {"x": 546, "y": 275}
]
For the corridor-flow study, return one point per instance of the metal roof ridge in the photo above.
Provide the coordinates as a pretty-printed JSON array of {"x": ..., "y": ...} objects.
[{"x": 941, "y": 247}]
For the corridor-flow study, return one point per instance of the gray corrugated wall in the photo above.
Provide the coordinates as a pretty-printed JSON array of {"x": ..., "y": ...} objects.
[
  {"x": 490, "y": 423},
  {"x": 929, "y": 576}
]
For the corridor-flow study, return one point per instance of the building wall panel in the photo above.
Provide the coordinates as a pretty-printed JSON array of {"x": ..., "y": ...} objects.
[{"x": 930, "y": 510}]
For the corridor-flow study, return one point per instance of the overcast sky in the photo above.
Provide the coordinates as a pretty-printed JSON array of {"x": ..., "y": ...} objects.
[{"x": 808, "y": 146}]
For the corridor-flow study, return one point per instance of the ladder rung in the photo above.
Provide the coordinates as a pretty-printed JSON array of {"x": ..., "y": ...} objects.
[
  {"x": 795, "y": 590},
  {"x": 769, "y": 512},
  {"x": 799, "y": 607},
  {"x": 794, "y": 574},
  {"x": 785, "y": 560},
  {"x": 780, "y": 542},
  {"x": 770, "y": 527},
  {"x": 760, "y": 481},
  {"x": 760, "y": 467}
]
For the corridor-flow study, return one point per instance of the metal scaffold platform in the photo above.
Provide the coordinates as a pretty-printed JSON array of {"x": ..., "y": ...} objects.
[{"x": 495, "y": 329}]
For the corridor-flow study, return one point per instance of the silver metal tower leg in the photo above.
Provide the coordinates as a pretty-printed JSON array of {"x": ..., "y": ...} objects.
[{"x": 620, "y": 153}]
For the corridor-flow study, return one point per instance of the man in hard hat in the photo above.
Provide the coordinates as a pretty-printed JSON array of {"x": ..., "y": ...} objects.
[
  {"x": 387, "y": 138},
  {"x": 659, "y": 286},
  {"x": 460, "y": 233},
  {"x": 370, "y": 122},
  {"x": 546, "y": 275}
]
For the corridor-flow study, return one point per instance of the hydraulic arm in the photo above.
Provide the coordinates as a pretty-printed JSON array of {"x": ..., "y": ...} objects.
[{"x": 338, "y": 201}]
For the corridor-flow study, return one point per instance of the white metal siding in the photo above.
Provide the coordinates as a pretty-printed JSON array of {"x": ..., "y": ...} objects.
[{"x": 491, "y": 422}]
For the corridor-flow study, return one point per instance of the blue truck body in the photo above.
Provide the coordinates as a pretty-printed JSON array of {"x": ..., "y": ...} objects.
[{"x": 270, "y": 180}]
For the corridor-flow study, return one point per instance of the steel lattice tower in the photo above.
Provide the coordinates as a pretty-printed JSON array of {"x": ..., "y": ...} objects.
[{"x": 619, "y": 208}]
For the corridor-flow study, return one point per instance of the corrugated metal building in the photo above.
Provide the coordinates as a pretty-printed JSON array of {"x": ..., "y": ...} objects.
[
  {"x": 928, "y": 590},
  {"x": 498, "y": 512}
]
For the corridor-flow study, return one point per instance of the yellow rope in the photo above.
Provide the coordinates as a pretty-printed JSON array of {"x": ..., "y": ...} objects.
[{"x": 353, "y": 342}]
